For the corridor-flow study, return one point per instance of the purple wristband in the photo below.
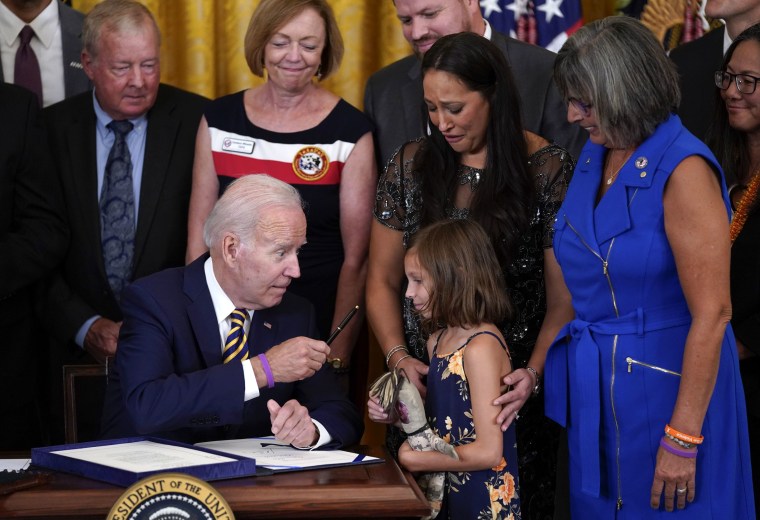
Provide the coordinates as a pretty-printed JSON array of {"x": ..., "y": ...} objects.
[
  {"x": 677, "y": 451},
  {"x": 267, "y": 370}
]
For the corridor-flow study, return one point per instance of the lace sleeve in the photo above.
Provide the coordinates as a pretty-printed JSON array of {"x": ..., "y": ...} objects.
[
  {"x": 552, "y": 167},
  {"x": 397, "y": 200}
]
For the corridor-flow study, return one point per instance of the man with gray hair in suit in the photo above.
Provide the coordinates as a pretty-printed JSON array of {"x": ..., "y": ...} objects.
[
  {"x": 220, "y": 349},
  {"x": 40, "y": 48},
  {"x": 124, "y": 156}
]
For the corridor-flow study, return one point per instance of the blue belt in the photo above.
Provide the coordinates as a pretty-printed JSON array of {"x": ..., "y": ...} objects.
[{"x": 585, "y": 396}]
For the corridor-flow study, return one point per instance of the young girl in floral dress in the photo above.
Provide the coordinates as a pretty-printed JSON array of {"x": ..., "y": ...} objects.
[{"x": 456, "y": 285}]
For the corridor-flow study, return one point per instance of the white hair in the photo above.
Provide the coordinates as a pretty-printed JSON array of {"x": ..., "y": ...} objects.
[{"x": 243, "y": 204}]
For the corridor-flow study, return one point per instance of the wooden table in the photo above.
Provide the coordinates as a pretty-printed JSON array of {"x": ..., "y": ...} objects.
[{"x": 364, "y": 491}]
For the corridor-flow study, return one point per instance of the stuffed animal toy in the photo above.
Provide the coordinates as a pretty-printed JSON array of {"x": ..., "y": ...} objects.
[{"x": 397, "y": 395}]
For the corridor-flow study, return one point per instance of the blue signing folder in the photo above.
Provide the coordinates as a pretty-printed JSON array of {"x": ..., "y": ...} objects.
[
  {"x": 280, "y": 457},
  {"x": 125, "y": 461}
]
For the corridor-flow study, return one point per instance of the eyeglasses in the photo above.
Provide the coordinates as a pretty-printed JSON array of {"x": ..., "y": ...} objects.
[
  {"x": 580, "y": 106},
  {"x": 745, "y": 83}
]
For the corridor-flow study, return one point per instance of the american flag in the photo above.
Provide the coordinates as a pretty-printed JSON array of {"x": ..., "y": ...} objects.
[{"x": 547, "y": 23}]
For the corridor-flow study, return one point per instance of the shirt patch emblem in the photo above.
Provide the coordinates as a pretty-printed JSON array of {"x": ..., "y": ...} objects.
[
  {"x": 311, "y": 163},
  {"x": 233, "y": 144}
]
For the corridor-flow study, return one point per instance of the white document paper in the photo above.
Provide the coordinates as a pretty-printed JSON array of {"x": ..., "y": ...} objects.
[
  {"x": 142, "y": 456},
  {"x": 279, "y": 456},
  {"x": 14, "y": 464}
]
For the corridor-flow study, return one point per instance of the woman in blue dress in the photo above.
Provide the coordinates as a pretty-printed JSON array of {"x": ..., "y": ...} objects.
[{"x": 645, "y": 376}]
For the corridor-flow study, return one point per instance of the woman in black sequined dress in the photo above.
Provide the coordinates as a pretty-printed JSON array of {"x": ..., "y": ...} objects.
[{"x": 477, "y": 163}]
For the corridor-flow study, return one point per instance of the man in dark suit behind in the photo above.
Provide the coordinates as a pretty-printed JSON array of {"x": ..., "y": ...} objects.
[
  {"x": 697, "y": 61},
  {"x": 33, "y": 238},
  {"x": 57, "y": 28},
  {"x": 393, "y": 97},
  {"x": 177, "y": 373},
  {"x": 121, "y": 57}
]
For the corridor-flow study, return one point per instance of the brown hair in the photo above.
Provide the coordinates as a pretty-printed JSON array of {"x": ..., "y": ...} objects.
[
  {"x": 270, "y": 15},
  {"x": 467, "y": 283}
]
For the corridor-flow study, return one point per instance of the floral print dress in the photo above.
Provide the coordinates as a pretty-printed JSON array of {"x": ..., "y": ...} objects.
[
  {"x": 398, "y": 206},
  {"x": 471, "y": 495}
]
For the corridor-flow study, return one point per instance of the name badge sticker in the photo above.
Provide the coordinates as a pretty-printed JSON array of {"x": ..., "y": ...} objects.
[{"x": 236, "y": 145}]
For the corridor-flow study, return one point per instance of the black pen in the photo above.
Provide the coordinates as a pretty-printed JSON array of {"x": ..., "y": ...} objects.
[{"x": 342, "y": 324}]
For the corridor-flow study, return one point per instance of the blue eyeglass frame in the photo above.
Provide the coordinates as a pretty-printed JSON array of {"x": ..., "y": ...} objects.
[{"x": 580, "y": 106}]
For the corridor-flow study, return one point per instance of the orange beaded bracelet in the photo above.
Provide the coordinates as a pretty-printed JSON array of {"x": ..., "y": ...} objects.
[{"x": 683, "y": 436}]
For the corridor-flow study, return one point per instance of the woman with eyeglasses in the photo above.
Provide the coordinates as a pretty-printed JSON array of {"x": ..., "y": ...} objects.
[
  {"x": 645, "y": 376},
  {"x": 735, "y": 139}
]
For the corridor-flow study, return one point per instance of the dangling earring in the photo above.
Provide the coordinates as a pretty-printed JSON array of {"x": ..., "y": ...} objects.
[{"x": 319, "y": 72}]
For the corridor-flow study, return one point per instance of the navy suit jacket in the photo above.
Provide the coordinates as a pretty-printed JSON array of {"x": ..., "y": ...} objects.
[
  {"x": 169, "y": 380},
  {"x": 393, "y": 99}
]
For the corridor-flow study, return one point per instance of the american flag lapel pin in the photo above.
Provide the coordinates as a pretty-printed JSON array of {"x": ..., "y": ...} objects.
[{"x": 267, "y": 325}]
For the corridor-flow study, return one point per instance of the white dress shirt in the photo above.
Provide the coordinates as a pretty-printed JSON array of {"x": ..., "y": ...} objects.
[
  {"x": 223, "y": 307},
  {"x": 46, "y": 44},
  {"x": 727, "y": 41}
]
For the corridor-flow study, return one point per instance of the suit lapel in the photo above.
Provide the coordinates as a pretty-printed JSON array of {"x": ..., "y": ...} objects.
[
  {"x": 717, "y": 49},
  {"x": 613, "y": 214},
  {"x": 201, "y": 313},
  {"x": 500, "y": 41},
  {"x": 411, "y": 98},
  {"x": 263, "y": 332},
  {"x": 160, "y": 141},
  {"x": 582, "y": 190},
  {"x": 80, "y": 138},
  {"x": 74, "y": 78}
]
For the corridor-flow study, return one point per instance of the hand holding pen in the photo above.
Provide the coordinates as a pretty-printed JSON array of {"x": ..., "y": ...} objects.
[
  {"x": 338, "y": 364},
  {"x": 298, "y": 358},
  {"x": 342, "y": 325}
]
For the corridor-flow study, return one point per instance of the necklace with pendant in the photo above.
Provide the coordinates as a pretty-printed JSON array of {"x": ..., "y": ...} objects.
[{"x": 614, "y": 175}]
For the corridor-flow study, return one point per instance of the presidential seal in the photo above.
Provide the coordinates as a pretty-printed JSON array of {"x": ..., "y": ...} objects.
[
  {"x": 310, "y": 163},
  {"x": 171, "y": 496}
]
